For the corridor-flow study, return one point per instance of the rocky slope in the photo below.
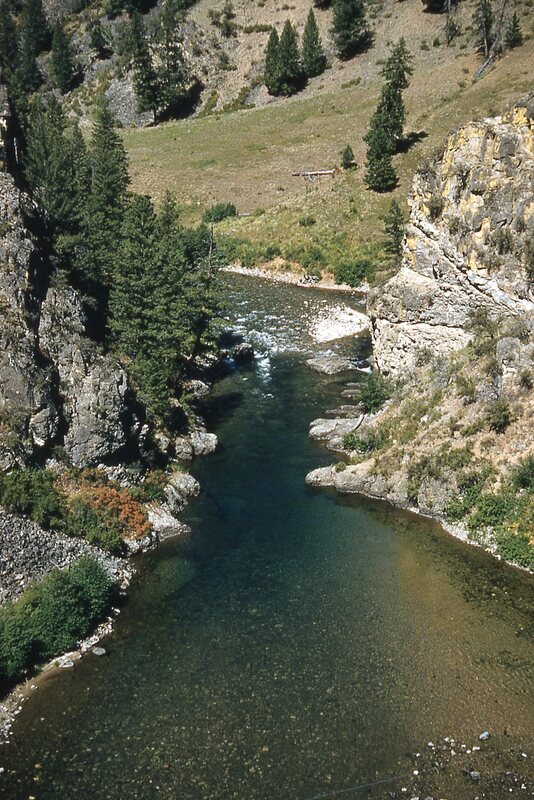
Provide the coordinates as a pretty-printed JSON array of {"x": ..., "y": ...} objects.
[
  {"x": 57, "y": 386},
  {"x": 467, "y": 243},
  {"x": 455, "y": 330}
]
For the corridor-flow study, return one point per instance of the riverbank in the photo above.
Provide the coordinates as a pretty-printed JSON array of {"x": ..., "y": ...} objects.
[{"x": 297, "y": 279}]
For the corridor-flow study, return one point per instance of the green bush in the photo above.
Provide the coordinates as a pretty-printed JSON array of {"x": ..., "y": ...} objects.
[
  {"x": 516, "y": 548},
  {"x": 98, "y": 527},
  {"x": 498, "y": 415},
  {"x": 31, "y": 492},
  {"x": 491, "y": 511},
  {"x": 219, "y": 211},
  {"x": 523, "y": 476},
  {"x": 374, "y": 392},
  {"x": 354, "y": 272},
  {"x": 51, "y": 616}
]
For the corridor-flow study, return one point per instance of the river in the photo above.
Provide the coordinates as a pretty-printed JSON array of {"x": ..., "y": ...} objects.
[{"x": 296, "y": 644}]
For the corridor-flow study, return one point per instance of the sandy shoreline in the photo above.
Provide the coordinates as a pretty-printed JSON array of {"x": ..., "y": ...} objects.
[{"x": 295, "y": 279}]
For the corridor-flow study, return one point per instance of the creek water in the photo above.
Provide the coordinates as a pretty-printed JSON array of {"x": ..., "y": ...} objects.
[{"x": 297, "y": 643}]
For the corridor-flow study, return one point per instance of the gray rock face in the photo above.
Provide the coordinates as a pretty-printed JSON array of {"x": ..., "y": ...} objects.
[
  {"x": 93, "y": 386},
  {"x": 465, "y": 245},
  {"x": 180, "y": 488},
  {"x": 203, "y": 443}
]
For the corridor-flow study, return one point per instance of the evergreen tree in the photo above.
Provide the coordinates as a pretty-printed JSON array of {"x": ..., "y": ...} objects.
[
  {"x": 176, "y": 83},
  {"x": 271, "y": 75},
  {"x": 290, "y": 65},
  {"x": 347, "y": 158},
  {"x": 394, "y": 230},
  {"x": 483, "y": 21},
  {"x": 387, "y": 124},
  {"x": 322, "y": 4},
  {"x": 130, "y": 297},
  {"x": 8, "y": 40},
  {"x": 62, "y": 60},
  {"x": 144, "y": 75},
  {"x": 81, "y": 172},
  {"x": 49, "y": 167},
  {"x": 227, "y": 21},
  {"x": 100, "y": 41},
  {"x": 313, "y": 57},
  {"x": 350, "y": 31},
  {"x": 513, "y": 36},
  {"x": 380, "y": 175},
  {"x": 35, "y": 25},
  {"x": 105, "y": 206},
  {"x": 28, "y": 77}
]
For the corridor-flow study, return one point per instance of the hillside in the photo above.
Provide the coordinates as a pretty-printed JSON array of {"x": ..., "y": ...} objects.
[{"x": 247, "y": 157}]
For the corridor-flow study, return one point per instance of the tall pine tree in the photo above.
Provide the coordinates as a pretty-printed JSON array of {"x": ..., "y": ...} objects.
[
  {"x": 513, "y": 36},
  {"x": 387, "y": 124},
  {"x": 291, "y": 73},
  {"x": 271, "y": 75},
  {"x": 62, "y": 60},
  {"x": 483, "y": 21},
  {"x": 313, "y": 57},
  {"x": 350, "y": 31},
  {"x": 144, "y": 74},
  {"x": 176, "y": 83}
]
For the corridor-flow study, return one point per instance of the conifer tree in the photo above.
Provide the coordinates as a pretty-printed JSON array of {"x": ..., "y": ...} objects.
[
  {"x": 350, "y": 31},
  {"x": 271, "y": 75},
  {"x": 131, "y": 293},
  {"x": 105, "y": 206},
  {"x": 394, "y": 229},
  {"x": 176, "y": 83},
  {"x": 100, "y": 40},
  {"x": 144, "y": 75},
  {"x": 62, "y": 60},
  {"x": 313, "y": 57},
  {"x": 8, "y": 40},
  {"x": 347, "y": 157},
  {"x": 49, "y": 168},
  {"x": 322, "y": 4},
  {"x": 81, "y": 172},
  {"x": 290, "y": 65},
  {"x": 513, "y": 36},
  {"x": 483, "y": 20},
  {"x": 387, "y": 124},
  {"x": 35, "y": 24},
  {"x": 28, "y": 76},
  {"x": 380, "y": 175}
]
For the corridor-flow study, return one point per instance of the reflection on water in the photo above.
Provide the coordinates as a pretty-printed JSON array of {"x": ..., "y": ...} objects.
[{"x": 296, "y": 644}]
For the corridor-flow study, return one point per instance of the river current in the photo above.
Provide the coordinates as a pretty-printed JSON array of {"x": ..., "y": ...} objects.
[{"x": 297, "y": 644}]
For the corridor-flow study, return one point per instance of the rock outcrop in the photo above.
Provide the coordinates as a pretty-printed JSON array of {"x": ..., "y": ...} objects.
[{"x": 467, "y": 245}]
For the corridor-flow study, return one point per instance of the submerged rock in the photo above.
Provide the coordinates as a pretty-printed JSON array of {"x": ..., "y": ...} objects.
[{"x": 330, "y": 365}]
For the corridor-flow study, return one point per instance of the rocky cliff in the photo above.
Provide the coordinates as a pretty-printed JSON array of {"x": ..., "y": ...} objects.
[
  {"x": 468, "y": 242},
  {"x": 453, "y": 334}
]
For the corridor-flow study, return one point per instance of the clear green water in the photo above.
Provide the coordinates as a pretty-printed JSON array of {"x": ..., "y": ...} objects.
[{"x": 297, "y": 643}]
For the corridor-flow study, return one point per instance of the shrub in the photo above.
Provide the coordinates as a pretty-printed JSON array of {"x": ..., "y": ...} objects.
[
  {"x": 219, "y": 211},
  {"x": 491, "y": 511},
  {"x": 525, "y": 379},
  {"x": 498, "y": 415},
  {"x": 516, "y": 548},
  {"x": 105, "y": 516},
  {"x": 354, "y": 272},
  {"x": 435, "y": 205},
  {"x": 31, "y": 492},
  {"x": 523, "y": 475},
  {"x": 307, "y": 222},
  {"x": 51, "y": 616},
  {"x": 374, "y": 392}
]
